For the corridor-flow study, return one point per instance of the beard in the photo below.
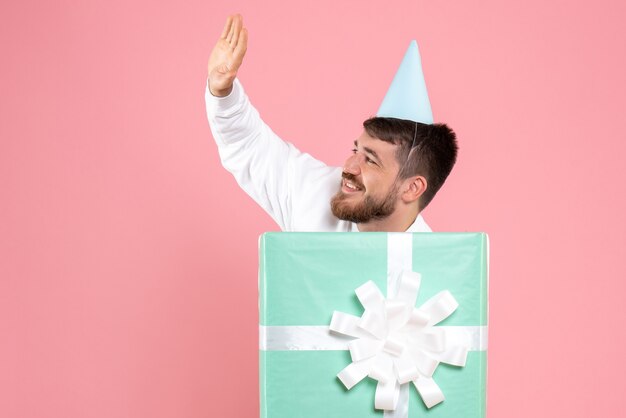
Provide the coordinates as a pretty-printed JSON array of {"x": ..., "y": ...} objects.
[{"x": 365, "y": 210}]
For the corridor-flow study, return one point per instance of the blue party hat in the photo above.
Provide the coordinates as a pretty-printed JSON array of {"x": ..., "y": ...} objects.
[{"x": 407, "y": 97}]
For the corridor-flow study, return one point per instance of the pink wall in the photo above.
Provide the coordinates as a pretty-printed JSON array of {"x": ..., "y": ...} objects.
[{"x": 124, "y": 245}]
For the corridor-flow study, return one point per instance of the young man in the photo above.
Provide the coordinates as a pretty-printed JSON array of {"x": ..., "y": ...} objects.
[{"x": 395, "y": 169}]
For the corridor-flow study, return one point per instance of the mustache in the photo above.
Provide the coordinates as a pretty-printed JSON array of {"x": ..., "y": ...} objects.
[{"x": 352, "y": 178}]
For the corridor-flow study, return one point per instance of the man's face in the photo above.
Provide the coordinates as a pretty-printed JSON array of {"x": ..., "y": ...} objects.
[{"x": 368, "y": 187}]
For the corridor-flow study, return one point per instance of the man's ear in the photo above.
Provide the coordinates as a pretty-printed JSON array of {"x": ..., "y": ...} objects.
[{"x": 413, "y": 188}]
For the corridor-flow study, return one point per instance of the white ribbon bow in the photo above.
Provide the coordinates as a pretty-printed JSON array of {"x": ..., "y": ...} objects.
[{"x": 397, "y": 343}]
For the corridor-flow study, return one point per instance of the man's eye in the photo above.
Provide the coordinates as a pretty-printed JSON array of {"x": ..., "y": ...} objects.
[{"x": 367, "y": 159}]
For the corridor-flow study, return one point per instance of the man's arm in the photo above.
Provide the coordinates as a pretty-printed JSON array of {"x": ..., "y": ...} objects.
[{"x": 266, "y": 167}]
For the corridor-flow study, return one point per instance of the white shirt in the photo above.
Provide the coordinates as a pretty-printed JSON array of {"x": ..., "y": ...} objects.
[{"x": 294, "y": 188}]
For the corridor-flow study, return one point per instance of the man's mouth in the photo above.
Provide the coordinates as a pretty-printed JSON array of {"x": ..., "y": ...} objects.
[{"x": 349, "y": 186}]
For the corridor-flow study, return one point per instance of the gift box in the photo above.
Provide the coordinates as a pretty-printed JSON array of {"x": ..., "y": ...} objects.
[{"x": 337, "y": 329}]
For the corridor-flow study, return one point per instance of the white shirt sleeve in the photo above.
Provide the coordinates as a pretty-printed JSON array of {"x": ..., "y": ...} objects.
[{"x": 264, "y": 165}]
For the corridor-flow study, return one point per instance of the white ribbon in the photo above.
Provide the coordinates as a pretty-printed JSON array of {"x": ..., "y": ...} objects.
[
  {"x": 396, "y": 343},
  {"x": 392, "y": 342},
  {"x": 318, "y": 337}
]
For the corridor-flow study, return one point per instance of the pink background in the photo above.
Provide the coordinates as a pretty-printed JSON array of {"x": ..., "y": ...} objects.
[{"x": 128, "y": 256}]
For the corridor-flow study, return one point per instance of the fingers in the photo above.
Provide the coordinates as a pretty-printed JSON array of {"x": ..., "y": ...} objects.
[
  {"x": 237, "y": 25},
  {"x": 226, "y": 30},
  {"x": 242, "y": 46}
]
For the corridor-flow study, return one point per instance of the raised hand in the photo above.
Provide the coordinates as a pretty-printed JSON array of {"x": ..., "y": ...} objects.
[{"x": 227, "y": 56}]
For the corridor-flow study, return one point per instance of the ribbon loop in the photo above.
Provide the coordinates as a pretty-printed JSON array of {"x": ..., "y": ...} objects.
[
  {"x": 429, "y": 391},
  {"x": 374, "y": 323},
  {"x": 405, "y": 369},
  {"x": 418, "y": 318},
  {"x": 425, "y": 363},
  {"x": 439, "y": 307},
  {"x": 386, "y": 396},
  {"x": 382, "y": 369},
  {"x": 363, "y": 348},
  {"x": 409, "y": 287},
  {"x": 397, "y": 314},
  {"x": 354, "y": 373},
  {"x": 393, "y": 346},
  {"x": 346, "y": 324},
  {"x": 370, "y": 296}
]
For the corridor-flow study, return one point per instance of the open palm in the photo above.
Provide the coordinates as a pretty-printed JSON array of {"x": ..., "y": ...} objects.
[{"x": 227, "y": 56}]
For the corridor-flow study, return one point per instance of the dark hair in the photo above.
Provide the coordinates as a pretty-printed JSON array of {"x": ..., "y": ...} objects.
[{"x": 432, "y": 148}]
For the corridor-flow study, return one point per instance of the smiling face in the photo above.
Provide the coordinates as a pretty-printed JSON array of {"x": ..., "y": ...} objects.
[{"x": 369, "y": 189}]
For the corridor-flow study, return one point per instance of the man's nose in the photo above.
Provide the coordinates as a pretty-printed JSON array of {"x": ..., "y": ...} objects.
[{"x": 353, "y": 165}]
